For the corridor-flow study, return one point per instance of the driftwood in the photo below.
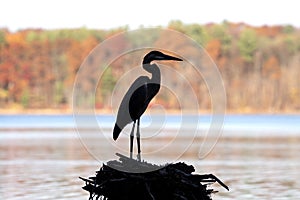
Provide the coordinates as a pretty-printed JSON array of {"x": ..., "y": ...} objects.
[{"x": 172, "y": 181}]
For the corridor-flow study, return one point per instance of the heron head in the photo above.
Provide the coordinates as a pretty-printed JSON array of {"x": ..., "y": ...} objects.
[{"x": 157, "y": 55}]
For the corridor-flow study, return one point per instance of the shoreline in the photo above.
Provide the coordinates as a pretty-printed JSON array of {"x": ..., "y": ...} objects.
[{"x": 49, "y": 111}]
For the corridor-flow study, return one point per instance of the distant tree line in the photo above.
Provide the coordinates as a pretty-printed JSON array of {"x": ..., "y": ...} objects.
[{"x": 260, "y": 66}]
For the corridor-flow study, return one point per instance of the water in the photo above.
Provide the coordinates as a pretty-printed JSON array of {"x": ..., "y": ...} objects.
[{"x": 257, "y": 156}]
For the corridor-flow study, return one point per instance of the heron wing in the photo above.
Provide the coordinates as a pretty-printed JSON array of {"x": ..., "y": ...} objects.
[
  {"x": 139, "y": 99},
  {"x": 127, "y": 109}
]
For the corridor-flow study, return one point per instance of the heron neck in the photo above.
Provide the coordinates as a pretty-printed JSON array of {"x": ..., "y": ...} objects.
[{"x": 154, "y": 71}]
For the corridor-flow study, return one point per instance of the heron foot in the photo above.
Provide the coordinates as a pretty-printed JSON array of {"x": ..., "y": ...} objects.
[
  {"x": 130, "y": 155},
  {"x": 139, "y": 157}
]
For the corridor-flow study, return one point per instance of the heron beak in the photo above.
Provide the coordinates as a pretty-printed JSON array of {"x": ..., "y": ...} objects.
[{"x": 167, "y": 57}]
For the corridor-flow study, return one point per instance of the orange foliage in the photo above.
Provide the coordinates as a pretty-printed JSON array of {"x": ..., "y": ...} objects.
[
  {"x": 271, "y": 68},
  {"x": 268, "y": 31},
  {"x": 213, "y": 49},
  {"x": 42, "y": 65},
  {"x": 17, "y": 38}
]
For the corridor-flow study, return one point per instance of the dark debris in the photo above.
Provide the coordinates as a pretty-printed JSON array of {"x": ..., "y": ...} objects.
[{"x": 172, "y": 181}]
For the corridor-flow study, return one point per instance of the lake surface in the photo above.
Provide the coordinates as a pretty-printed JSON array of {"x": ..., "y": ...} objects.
[{"x": 257, "y": 156}]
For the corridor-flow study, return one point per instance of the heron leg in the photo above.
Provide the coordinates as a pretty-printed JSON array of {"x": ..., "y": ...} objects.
[
  {"x": 131, "y": 139},
  {"x": 138, "y": 136}
]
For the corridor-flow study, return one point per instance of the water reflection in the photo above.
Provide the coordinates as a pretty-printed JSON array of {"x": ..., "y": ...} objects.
[{"x": 45, "y": 165}]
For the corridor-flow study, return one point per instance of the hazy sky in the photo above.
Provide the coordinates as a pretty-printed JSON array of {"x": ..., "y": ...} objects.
[{"x": 20, "y": 14}]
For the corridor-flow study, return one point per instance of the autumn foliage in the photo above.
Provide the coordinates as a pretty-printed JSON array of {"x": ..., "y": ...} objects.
[{"x": 259, "y": 65}]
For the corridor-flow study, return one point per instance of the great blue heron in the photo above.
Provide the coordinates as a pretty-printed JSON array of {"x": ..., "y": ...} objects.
[{"x": 138, "y": 97}]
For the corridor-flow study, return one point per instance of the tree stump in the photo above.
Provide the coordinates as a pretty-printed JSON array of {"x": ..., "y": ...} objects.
[{"x": 171, "y": 181}]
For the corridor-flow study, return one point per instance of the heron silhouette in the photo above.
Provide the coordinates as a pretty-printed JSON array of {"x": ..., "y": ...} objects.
[{"x": 138, "y": 97}]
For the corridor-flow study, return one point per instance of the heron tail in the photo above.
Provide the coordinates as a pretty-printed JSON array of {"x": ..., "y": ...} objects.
[{"x": 117, "y": 131}]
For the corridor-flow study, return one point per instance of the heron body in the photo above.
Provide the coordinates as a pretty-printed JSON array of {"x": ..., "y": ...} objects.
[{"x": 138, "y": 97}]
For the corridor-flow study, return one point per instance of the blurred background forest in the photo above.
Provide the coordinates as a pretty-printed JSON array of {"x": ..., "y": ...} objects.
[{"x": 260, "y": 66}]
